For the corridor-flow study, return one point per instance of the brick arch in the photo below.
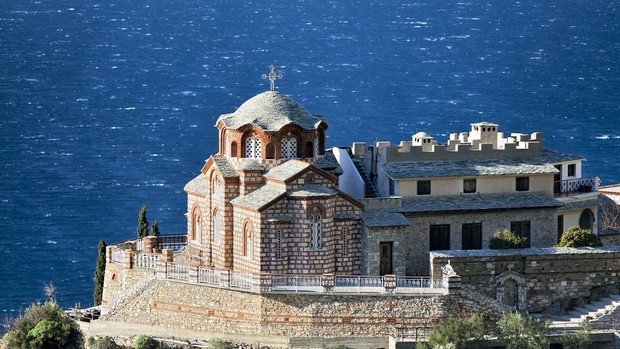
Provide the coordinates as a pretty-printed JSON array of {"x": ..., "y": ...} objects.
[
  {"x": 196, "y": 223},
  {"x": 247, "y": 238}
]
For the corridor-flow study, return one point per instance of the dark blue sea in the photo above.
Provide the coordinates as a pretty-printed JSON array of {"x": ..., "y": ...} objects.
[{"x": 106, "y": 105}]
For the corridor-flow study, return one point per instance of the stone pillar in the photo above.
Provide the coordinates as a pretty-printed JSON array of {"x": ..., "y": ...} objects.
[
  {"x": 225, "y": 278},
  {"x": 149, "y": 244},
  {"x": 108, "y": 254},
  {"x": 168, "y": 255},
  {"x": 389, "y": 283},
  {"x": 265, "y": 282},
  {"x": 161, "y": 270},
  {"x": 328, "y": 282},
  {"x": 454, "y": 285},
  {"x": 128, "y": 259}
]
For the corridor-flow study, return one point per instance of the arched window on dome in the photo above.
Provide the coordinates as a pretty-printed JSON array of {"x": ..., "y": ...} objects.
[
  {"x": 233, "y": 149},
  {"x": 270, "y": 152},
  {"x": 289, "y": 148},
  {"x": 253, "y": 146},
  {"x": 321, "y": 142},
  {"x": 309, "y": 150},
  {"x": 227, "y": 146}
]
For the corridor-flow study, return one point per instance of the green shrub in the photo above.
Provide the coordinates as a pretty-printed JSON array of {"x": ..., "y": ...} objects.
[
  {"x": 577, "y": 237},
  {"x": 103, "y": 343},
  {"x": 517, "y": 331},
  {"x": 218, "y": 343},
  {"x": 506, "y": 240},
  {"x": 45, "y": 327},
  {"x": 458, "y": 334},
  {"x": 145, "y": 342}
]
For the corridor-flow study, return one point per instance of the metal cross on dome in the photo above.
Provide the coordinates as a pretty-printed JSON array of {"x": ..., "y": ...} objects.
[{"x": 272, "y": 76}]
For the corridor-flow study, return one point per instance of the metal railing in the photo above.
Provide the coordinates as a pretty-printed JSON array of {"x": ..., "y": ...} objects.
[
  {"x": 575, "y": 186},
  {"x": 117, "y": 256},
  {"x": 209, "y": 276},
  {"x": 241, "y": 280},
  {"x": 296, "y": 283},
  {"x": 145, "y": 260},
  {"x": 172, "y": 242},
  {"x": 358, "y": 284},
  {"x": 177, "y": 272}
]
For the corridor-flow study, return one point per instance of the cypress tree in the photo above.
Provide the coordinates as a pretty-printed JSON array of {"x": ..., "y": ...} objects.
[
  {"x": 143, "y": 224},
  {"x": 99, "y": 273},
  {"x": 155, "y": 228}
]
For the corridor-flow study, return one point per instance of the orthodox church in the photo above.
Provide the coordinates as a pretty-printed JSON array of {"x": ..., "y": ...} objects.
[{"x": 268, "y": 201}]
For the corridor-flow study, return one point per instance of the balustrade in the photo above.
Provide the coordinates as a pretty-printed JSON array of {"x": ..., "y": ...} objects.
[{"x": 576, "y": 186}]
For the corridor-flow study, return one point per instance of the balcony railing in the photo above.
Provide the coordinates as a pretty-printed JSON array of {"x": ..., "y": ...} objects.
[{"x": 575, "y": 186}]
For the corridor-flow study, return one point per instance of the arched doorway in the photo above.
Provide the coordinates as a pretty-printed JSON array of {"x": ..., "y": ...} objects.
[{"x": 586, "y": 219}]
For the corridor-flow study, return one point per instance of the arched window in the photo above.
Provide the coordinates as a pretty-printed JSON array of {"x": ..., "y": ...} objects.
[
  {"x": 233, "y": 149},
  {"x": 217, "y": 227},
  {"x": 270, "y": 152},
  {"x": 253, "y": 146},
  {"x": 586, "y": 219},
  {"x": 316, "y": 229},
  {"x": 289, "y": 148},
  {"x": 247, "y": 239},
  {"x": 309, "y": 150},
  {"x": 227, "y": 146},
  {"x": 196, "y": 224}
]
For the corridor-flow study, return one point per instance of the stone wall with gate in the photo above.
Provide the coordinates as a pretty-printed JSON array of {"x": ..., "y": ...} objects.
[{"x": 549, "y": 280}]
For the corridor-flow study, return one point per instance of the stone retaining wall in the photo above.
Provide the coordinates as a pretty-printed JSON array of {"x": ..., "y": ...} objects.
[
  {"x": 550, "y": 280},
  {"x": 197, "y": 307}
]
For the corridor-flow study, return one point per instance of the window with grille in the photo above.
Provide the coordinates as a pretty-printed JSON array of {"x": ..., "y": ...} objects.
[
  {"x": 472, "y": 236},
  {"x": 279, "y": 244},
  {"x": 439, "y": 237},
  {"x": 424, "y": 187},
  {"x": 345, "y": 241},
  {"x": 523, "y": 183},
  {"x": 469, "y": 185},
  {"x": 289, "y": 148},
  {"x": 253, "y": 147},
  {"x": 316, "y": 231},
  {"x": 521, "y": 228}
]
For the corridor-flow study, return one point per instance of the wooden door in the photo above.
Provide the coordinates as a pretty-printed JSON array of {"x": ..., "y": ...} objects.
[{"x": 385, "y": 258}]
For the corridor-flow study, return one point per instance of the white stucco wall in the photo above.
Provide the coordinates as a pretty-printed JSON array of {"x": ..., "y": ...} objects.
[{"x": 350, "y": 181}]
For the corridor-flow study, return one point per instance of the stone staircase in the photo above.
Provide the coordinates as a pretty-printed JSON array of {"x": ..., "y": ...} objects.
[
  {"x": 595, "y": 311},
  {"x": 126, "y": 295},
  {"x": 370, "y": 191}
]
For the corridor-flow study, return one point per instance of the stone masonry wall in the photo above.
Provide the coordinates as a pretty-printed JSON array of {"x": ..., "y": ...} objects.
[
  {"x": 198, "y": 307},
  {"x": 118, "y": 278},
  {"x": 554, "y": 279}
]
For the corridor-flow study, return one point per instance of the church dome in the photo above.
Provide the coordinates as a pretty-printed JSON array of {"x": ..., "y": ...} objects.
[{"x": 270, "y": 111}]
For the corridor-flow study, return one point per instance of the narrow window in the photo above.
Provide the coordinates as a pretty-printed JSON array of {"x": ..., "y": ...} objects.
[
  {"x": 572, "y": 170},
  {"x": 247, "y": 240},
  {"x": 217, "y": 227},
  {"x": 521, "y": 228},
  {"x": 523, "y": 183},
  {"x": 279, "y": 244},
  {"x": 560, "y": 227},
  {"x": 469, "y": 185},
  {"x": 392, "y": 186},
  {"x": 472, "y": 236},
  {"x": 439, "y": 237},
  {"x": 345, "y": 241},
  {"x": 424, "y": 187},
  {"x": 316, "y": 231}
]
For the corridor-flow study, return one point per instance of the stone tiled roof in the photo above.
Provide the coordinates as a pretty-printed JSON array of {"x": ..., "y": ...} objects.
[
  {"x": 287, "y": 170},
  {"x": 329, "y": 163},
  {"x": 313, "y": 190},
  {"x": 553, "y": 156},
  {"x": 380, "y": 218},
  {"x": 455, "y": 168},
  {"x": 523, "y": 251},
  {"x": 226, "y": 168},
  {"x": 259, "y": 198},
  {"x": 476, "y": 202},
  {"x": 251, "y": 165},
  {"x": 270, "y": 111},
  {"x": 197, "y": 185},
  {"x": 281, "y": 218},
  {"x": 578, "y": 205}
]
